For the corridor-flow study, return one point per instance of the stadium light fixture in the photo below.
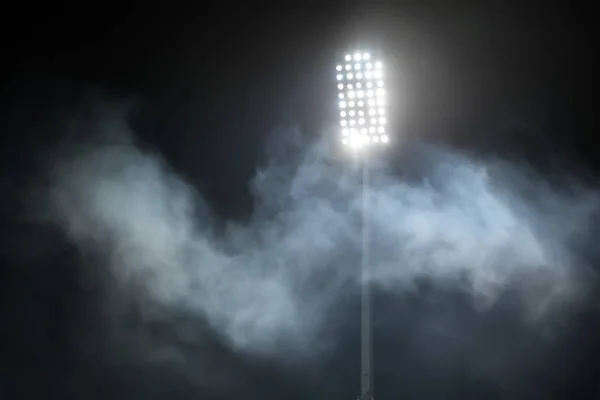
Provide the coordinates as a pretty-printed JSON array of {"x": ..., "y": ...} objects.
[{"x": 363, "y": 94}]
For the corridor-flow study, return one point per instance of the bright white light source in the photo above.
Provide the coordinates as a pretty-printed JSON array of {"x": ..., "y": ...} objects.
[
  {"x": 385, "y": 138},
  {"x": 362, "y": 121}
]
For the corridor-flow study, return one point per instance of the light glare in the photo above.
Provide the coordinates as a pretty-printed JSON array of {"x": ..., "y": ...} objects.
[{"x": 362, "y": 121}]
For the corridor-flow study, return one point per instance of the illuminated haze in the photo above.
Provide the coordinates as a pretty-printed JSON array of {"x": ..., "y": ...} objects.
[{"x": 268, "y": 284}]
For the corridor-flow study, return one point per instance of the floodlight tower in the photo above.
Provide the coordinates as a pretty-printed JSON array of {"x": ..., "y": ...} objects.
[{"x": 361, "y": 93}]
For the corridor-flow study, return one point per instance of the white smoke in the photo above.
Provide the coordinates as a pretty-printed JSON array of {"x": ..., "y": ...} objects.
[{"x": 268, "y": 284}]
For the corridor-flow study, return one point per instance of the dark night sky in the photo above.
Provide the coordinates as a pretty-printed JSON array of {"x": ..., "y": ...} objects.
[{"x": 206, "y": 86}]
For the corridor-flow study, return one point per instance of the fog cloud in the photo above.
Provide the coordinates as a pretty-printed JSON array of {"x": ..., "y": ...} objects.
[{"x": 267, "y": 284}]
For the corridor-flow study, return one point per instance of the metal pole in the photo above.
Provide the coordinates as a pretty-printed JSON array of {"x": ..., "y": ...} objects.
[{"x": 366, "y": 379}]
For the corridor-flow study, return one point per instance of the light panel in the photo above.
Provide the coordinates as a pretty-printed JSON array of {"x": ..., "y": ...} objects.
[{"x": 362, "y": 100}]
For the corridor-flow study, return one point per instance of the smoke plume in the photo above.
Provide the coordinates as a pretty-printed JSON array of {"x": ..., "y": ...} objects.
[{"x": 267, "y": 285}]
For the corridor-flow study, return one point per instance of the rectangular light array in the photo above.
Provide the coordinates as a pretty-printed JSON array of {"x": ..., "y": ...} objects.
[{"x": 361, "y": 95}]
